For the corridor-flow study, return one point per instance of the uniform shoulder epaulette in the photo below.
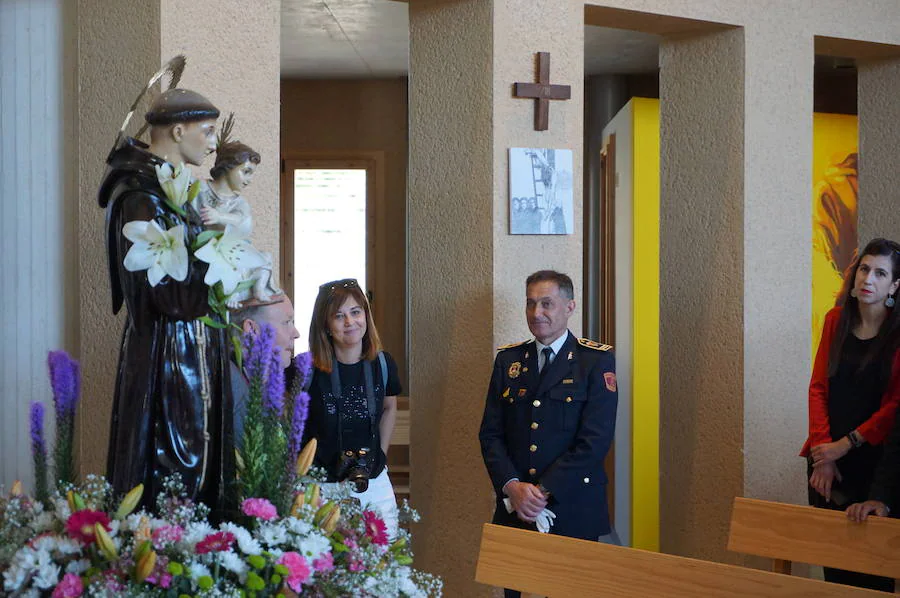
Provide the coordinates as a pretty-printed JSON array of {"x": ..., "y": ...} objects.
[
  {"x": 586, "y": 342},
  {"x": 510, "y": 346}
]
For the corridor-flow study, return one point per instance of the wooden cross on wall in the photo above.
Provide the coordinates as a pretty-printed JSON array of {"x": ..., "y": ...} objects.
[{"x": 543, "y": 92}]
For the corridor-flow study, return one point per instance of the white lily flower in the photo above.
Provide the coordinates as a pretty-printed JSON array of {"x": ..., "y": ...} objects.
[
  {"x": 230, "y": 257},
  {"x": 175, "y": 182},
  {"x": 158, "y": 251}
]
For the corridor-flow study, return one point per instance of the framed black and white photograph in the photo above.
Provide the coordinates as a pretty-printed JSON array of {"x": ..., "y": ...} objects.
[{"x": 540, "y": 191}]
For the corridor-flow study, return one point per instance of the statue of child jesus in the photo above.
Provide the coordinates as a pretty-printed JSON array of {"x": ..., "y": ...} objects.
[{"x": 220, "y": 203}]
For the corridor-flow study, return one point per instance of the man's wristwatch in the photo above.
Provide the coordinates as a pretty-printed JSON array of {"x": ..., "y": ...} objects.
[{"x": 855, "y": 439}]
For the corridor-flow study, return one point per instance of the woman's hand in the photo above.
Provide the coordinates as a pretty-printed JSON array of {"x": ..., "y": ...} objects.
[
  {"x": 823, "y": 477},
  {"x": 861, "y": 510},
  {"x": 830, "y": 451}
]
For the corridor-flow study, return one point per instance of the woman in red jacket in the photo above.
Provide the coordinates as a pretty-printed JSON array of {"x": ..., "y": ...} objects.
[{"x": 855, "y": 390}]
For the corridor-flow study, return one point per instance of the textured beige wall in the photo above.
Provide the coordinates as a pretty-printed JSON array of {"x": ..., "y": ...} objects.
[
  {"x": 520, "y": 30},
  {"x": 233, "y": 58},
  {"x": 451, "y": 239},
  {"x": 879, "y": 174},
  {"x": 116, "y": 56},
  {"x": 233, "y": 50},
  {"x": 365, "y": 115},
  {"x": 701, "y": 246}
]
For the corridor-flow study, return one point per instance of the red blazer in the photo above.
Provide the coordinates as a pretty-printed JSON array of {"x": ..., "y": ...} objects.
[{"x": 876, "y": 428}]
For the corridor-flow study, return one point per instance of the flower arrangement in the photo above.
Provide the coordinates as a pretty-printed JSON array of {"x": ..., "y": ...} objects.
[
  {"x": 79, "y": 546},
  {"x": 295, "y": 535}
]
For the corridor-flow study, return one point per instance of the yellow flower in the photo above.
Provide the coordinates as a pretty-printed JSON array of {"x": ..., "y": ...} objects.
[
  {"x": 130, "y": 501},
  {"x": 305, "y": 459}
]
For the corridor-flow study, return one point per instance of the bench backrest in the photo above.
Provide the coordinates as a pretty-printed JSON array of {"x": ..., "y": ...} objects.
[
  {"x": 555, "y": 566},
  {"x": 815, "y": 536}
]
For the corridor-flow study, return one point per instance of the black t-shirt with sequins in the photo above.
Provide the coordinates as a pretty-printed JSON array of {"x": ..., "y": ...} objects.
[{"x": 324, "y": 425}]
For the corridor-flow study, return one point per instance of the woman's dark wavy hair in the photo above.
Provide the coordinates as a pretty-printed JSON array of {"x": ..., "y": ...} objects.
[{"x": 886, "y": 340}]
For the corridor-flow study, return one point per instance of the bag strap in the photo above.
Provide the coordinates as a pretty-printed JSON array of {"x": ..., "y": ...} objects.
[{"x": 383, "y": 362}]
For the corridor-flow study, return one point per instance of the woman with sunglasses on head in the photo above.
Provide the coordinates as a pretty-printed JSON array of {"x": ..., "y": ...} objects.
[
  {"x": 855, "y": 390},
  {"x": 353, "y": 396}
]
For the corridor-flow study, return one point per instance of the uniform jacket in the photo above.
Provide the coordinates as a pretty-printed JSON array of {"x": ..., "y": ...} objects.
[{"x": 554, "y": 430}]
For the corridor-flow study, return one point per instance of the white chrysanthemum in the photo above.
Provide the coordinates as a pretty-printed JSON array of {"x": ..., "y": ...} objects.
[
  {"x": 298, "y": 526},
  {"x": 234, "y": 563},
  {"x": 47, "y": 574},
  {"x": 68, "y": 546},
  {"x": 61, "y": 508},
  {"x": 198, "y": 570},
  {"x": 42, "y": 522},
  {"x": 313, "y": 546},
  {"x": 197, "y": 531},
  {"x": 276, "y": 553},
  {"x": 272, "y": 534},
  {"x": 78, "y": 567},
  {"x": 46, "y": 543},
  {"x": 246, "y": 542}
]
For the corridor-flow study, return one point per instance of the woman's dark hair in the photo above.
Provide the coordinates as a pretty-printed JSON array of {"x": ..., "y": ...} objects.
[
  {"x": 887, "y": 337},
  {"x": 231, "y": 153}
]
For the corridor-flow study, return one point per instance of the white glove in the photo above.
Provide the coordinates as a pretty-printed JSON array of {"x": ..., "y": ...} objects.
[{"x": 544, "y": 520}]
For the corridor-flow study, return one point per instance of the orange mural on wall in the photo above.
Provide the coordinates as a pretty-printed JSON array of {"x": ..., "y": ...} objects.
[{"x": 835, "y": 196}]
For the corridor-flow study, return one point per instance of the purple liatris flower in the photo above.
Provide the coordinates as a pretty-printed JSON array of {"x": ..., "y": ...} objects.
[
  {"x": 303, "y": 363},
  {"x": 38, "y": 450},
  {"x": 258, "y": 349},
  {"x": 298, "y": 423},
  {"x": 273, "y": 393},
  {"x": 65, "y": 379},
  {"x": 38, "y": 445}
]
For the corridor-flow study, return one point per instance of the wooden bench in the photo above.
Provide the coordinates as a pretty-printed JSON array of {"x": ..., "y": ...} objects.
[
  {"x": 398, "y": 454},
  {"x": 555, "y": 566},
  {"x": 787, "y": 533}
]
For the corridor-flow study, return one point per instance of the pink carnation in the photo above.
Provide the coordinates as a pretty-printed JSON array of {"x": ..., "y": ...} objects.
[
  {"x": 259, "y": 507},
  {"x": 69, "y": 587},
  {"x": 324, "y": 563},
  {"x": 298, "y": 568},
  {"x": 376, "y": 529}
]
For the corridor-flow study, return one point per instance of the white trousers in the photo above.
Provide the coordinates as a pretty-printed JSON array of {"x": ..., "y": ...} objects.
[{"x": 379, "y": 497}]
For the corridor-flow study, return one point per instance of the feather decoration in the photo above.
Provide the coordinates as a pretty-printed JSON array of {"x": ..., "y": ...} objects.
[
  {"x": 174, "y": 68},
  {"x": 225, "y": 132}
]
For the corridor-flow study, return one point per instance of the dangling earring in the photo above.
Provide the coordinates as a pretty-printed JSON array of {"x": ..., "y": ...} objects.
[
  {"x": 853, "y": 292},
  {"x": 889, "y": 302}
]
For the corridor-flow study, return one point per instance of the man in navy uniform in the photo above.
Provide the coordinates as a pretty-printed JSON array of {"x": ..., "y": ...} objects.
[{"x": 549, "y": 419}]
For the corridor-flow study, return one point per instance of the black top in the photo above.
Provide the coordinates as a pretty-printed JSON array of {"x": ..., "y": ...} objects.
[
  {"x": 354, "y": 421},
  {"x": 853, "y": 397}
]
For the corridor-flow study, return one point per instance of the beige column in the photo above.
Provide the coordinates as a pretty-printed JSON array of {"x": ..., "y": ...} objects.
[
  {"x": 879, "y": 157},
  {"x": 778, "y": 97},
  {"x": 233, "y": 59},
  {"x": 701, "y": 289},
  {"x": 466, "y": 277}
]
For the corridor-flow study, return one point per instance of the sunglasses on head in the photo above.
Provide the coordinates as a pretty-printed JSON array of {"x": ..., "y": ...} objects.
[{"x": 345, "y": 283}]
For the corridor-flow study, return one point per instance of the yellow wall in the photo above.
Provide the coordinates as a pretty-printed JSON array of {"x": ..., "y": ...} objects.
[
  {"x": 645, "y": 296},
  {"x": 835, "y": 137}
]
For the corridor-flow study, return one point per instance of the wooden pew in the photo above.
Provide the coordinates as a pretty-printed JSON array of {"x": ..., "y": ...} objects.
[
  {"x": 555, "y": 566},
  {"x": 787, "y": 533}
]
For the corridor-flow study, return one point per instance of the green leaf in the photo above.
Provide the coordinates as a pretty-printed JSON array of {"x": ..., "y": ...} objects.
[
  {"x": 177, "y": 209},
  {"x": 238, "y": 351},
  {"x": 212, "y": 323},
  {"x": 243, "y": 286},
  {"x": 204, "y": 238},
  {"x": 193, "y": 191}
]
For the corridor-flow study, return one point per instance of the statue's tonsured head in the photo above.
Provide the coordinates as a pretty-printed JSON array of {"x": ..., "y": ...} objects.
[
  {"x": 182, "y": 126},
  {"x": 180, "y": 106}
]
